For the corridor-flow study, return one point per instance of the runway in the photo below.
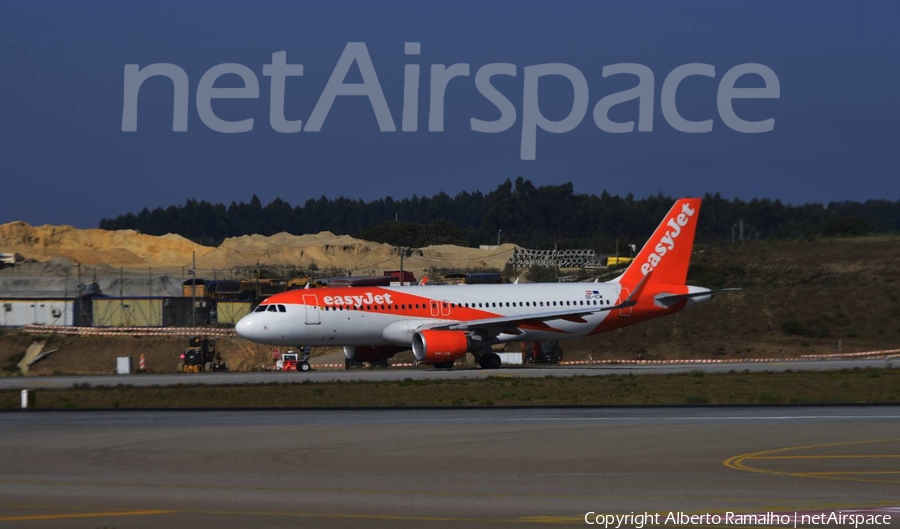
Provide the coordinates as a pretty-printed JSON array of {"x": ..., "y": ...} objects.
[
  {"x": 410, "y": 468},
  {"x": 378, "y": 375}
]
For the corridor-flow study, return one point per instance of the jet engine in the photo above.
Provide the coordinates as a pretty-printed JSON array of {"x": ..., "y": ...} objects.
[{"x": 440, "y": 346}]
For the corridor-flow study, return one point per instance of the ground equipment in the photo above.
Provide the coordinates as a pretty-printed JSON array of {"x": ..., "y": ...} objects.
[{"x": 201, "y": 355}]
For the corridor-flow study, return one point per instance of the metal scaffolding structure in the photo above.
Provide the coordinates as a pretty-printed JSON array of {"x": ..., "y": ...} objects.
[{"x": 524, "y": 258}]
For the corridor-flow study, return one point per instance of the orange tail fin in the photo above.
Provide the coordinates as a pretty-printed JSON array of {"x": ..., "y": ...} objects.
[{"x": 668, "y": 252}]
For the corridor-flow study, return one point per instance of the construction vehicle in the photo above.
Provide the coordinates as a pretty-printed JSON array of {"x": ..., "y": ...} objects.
[
  {"x": 293, "y": 361},
  {"x": 201, "y": 356},
  {"x": 542, "y": 352}
]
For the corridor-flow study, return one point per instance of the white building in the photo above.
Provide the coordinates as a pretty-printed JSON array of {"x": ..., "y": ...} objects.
[{"x": 20, "y": 310}]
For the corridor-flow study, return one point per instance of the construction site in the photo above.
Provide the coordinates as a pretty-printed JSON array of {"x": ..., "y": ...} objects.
[{"x": 91, "y": 296}]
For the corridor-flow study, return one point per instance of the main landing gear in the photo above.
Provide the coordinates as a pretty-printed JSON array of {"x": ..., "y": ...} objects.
[
  {"x": 489, "y": 361},
  {"x": 443, "y": 365}
]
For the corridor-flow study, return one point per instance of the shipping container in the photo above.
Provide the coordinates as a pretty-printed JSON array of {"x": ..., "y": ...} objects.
[
  {"x": 128, "y": 312},
  {"x": 194, "y": 288},
  {"x": 229, "y": 312},
  {"x": 19, "y": 312}
]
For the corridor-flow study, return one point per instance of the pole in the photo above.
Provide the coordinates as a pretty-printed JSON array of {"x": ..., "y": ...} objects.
[
  {"x": 80, "y": 293},
  {"x": 193, "y": 286},
  {"x": 556, "y": 259},
  {"x": 66, "y": 300},
  {"x": 150, "y": 291}
]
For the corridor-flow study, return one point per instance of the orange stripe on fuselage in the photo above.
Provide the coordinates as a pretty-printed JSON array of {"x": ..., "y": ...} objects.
[{"x": 401, "y": 303}]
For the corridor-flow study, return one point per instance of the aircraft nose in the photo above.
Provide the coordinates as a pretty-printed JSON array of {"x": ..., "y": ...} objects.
[{"x": 247, "y": 328}]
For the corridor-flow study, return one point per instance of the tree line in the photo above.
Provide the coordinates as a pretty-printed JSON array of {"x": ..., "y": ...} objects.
[{"x": 531, "y": 216}]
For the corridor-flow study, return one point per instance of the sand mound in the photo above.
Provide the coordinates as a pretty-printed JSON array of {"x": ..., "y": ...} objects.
[
  {"x": 325, "y": 249},
  {"x": 129, "y": 248},
  {"x": 117, "y": 248}
]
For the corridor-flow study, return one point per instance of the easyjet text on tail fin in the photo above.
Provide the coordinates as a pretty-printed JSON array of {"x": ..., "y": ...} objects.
[{"x": 668, "y": 252}]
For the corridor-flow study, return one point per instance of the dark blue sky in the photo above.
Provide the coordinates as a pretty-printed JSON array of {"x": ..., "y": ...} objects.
[{"x": 65, "y": 158}]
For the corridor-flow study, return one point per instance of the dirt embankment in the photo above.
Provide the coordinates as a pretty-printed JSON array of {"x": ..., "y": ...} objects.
[
  {"x": 798, "y": 297},
  {"x": 80, "y": 355},
  {"x": 93, "y": 247},
  {"x": 129, "y": 249},
  {"x": 84, "y": 355}
]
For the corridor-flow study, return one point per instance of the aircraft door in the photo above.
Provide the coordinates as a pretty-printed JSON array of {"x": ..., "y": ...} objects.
[
  {"x": 624, "y": 313},
  {"x": 445, "y": 308},
  {"x": 435, "y": 308},
  {"x": 311, "y": 304}
]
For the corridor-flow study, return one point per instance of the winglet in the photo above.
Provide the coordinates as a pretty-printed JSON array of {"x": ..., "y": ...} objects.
[
  {"x": 632, "y": 298},
  {"x": 423, "y": 281}
]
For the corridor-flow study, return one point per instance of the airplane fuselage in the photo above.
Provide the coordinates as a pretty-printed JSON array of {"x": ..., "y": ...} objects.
[{"x": 371, "y": 316}]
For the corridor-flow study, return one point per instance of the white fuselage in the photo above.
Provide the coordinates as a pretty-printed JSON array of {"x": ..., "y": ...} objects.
[{"x": 366, "y": 316}]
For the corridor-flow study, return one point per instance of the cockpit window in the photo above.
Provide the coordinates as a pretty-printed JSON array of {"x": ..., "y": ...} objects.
[
  {"x": 273, "y": 308},
  {"x": 261, "y": 308},
  {"x": 281, "y": 308}
]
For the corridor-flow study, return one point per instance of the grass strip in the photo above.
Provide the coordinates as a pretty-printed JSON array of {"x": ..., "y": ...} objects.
[{"x": 828, "y": 387}]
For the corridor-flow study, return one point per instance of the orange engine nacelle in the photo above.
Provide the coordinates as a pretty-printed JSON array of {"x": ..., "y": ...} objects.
[{"x": 440, "y": 346}]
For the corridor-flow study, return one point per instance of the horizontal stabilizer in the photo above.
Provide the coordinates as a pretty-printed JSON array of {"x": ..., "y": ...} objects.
[{"x": 671, "y": 299}]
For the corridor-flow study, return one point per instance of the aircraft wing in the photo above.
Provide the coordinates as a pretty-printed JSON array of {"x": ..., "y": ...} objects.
[{"x": 510, "y": 324}]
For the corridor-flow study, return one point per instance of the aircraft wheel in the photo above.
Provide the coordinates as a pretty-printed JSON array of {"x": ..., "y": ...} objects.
[{"x": 490, "y": 361}]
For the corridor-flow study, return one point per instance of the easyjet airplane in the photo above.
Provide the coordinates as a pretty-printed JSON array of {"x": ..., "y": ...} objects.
[{"x": 441, "y": 323}]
